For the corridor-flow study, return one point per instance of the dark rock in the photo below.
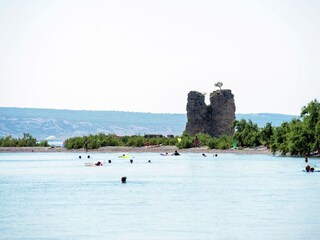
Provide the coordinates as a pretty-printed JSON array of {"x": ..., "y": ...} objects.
[{"x": 215, "y": 119}]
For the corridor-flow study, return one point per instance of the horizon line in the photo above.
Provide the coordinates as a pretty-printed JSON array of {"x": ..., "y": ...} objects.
[{"x": 90, "y": 110}]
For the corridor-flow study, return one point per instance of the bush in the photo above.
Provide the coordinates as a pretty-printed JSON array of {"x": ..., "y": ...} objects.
[
  {"x": 26, "y": 141},
  {"x": 136, "y": 141},
  {"x": 74, "y": 143},
  {"x": 43, "y": 144},
  {"x": 185, "y": 142},
  {"x": 223, "y": 142},
  {"x": 204, "y": 139}
]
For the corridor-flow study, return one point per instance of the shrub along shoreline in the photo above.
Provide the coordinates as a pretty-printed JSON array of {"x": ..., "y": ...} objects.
[
  {"x": 148, "y": 149},
  {"x": 299, "y": 137}
]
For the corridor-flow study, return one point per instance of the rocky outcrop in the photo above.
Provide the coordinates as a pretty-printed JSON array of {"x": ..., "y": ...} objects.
[{"x": 215, "y": 119}]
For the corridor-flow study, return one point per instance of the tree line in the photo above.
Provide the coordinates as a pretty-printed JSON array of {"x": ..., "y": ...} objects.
[
  {"x": 300, "y": 136},
  {"x": 26, "y": 141}
]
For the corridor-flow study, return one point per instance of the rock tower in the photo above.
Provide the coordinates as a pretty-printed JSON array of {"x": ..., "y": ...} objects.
[{"x": 215, "y": 119}]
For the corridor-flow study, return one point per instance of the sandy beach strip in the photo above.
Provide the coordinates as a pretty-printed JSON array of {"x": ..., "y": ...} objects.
[{"x": 157, "y": 149}]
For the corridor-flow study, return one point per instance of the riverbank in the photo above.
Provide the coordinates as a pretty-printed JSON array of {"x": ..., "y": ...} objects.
[{"x": 157, "y": 149}]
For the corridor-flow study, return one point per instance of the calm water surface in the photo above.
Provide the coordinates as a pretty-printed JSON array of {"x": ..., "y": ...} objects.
[{"x": 54, "y": 196}]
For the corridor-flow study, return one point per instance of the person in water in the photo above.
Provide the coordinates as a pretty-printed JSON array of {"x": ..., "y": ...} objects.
[
  {"x": 176, "y": 153},
  {"x": 98, "y": 163},
  {"x": 203, "y": 154},
  {"x": 308, "y": 168},
  {"x": 124, "y": 179}
]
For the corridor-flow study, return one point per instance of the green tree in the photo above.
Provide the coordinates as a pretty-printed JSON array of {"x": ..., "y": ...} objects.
[
  {"x": 298, "y": 138},
  {"x": 266, "y": 134},
  {"x": 222, "y": 142},
  {"x": 27, "y": 141},
  {"x": 186, "y": 141},
  {"x": 279, "y": 139},
  {"x": 311, "y": 118},
  {"x": 8, "y": 141},
  {"x": 316, "y": 146},
  {"x": 239, "y": 134},
  {"x": 246, "y": 133},
  {"x": 311, "y": 114}
]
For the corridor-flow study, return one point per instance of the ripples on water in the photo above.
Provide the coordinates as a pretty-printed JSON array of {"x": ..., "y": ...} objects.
[{"x": 54, "y": 196}]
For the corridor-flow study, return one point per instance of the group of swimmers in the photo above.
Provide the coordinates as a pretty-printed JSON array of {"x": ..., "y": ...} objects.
[
  {"x": 204, "y": 155},
  {"x": 100, "y": 164},
  {"x": 172, "y": 154},
  {"x": 178, "y": 154},
  {"x": 308, "y": 167}
]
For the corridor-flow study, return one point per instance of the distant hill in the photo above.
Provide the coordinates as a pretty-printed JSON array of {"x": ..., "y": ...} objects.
[{"x": 42, "y": 123}]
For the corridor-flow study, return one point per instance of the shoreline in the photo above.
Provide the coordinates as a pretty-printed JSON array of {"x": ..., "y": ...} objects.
[{"x": 152, "y": 149}]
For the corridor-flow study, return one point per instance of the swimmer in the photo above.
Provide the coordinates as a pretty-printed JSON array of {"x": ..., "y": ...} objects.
[
  {"x": 98, "y": 163},
  {"x": 175, "y": 153},
  {"x": 308, "y": 168},
  {"x": 124, "y": 179}
]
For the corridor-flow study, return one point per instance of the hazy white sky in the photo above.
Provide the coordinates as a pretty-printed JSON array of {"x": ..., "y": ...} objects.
[{"x": 145, "y": 56}]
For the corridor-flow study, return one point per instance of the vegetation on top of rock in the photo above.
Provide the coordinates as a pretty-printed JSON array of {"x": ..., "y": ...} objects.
[{"x": 218, "y": 84}]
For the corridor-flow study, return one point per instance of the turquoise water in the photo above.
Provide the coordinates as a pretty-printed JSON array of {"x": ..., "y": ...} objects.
[{"x": 54, "y": 196}]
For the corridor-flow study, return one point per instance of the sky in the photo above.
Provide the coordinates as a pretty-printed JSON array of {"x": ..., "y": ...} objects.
[{"x": 146, "y": 55}]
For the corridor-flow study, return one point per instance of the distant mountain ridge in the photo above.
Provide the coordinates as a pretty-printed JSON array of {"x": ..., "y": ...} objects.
[{"x": 42, "y": 123}]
